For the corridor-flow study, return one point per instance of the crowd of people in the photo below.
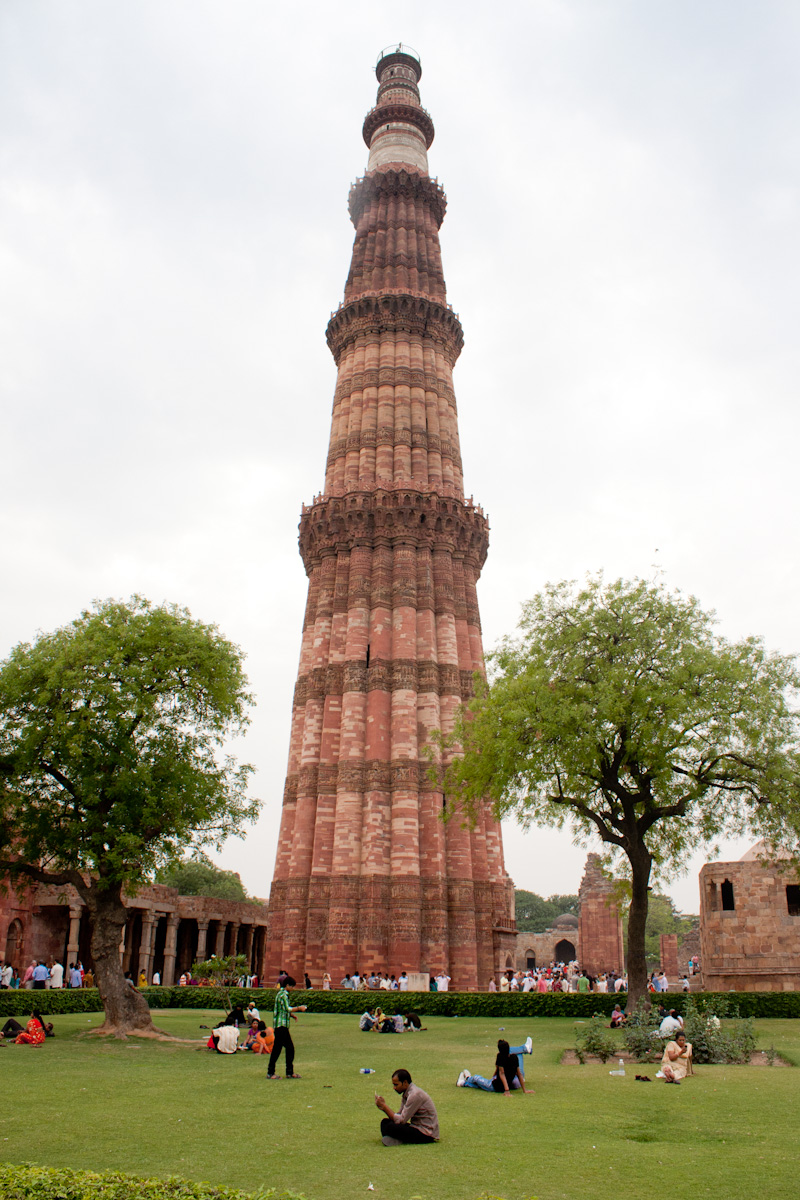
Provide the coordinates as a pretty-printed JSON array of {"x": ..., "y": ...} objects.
[{"x": 39, "y": 975}]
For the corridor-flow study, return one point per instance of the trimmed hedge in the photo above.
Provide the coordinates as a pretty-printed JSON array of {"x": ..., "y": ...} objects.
[
  {"x": 50, "y": 1183},
  {"x": 431, "y": 1004}
]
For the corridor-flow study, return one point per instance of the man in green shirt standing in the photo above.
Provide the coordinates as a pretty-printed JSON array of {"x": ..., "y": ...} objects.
[{"x": 282, "y": 1013}]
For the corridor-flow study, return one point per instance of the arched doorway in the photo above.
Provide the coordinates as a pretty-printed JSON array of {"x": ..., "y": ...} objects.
[
  {"x": 530, "y": 960},
  {"x": 565, "y": 951},
  {"x": 14, "y": 944}
]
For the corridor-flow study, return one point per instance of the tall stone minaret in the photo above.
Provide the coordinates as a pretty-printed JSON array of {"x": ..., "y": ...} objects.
[{"x": 367, "y": 875}]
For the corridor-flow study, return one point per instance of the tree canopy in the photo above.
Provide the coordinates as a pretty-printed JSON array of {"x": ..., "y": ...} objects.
[
  {"x": 199, "y": 876},
  {"x": 111, "y": 761},
  {"x": 620, "y": 713},
  {"x": 535, "y": 914}
]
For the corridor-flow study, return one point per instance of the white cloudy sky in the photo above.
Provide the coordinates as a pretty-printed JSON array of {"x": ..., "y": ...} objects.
[{"x": 621, "y": 245}]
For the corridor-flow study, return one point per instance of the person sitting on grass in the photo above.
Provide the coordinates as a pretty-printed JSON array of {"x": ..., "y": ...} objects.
[
  {"x": 618, "y": 1017},
  {"x": 416, "y": 1122},
  {"x": 676, "y": 1062},
  {"x": 508, "y": 1074},
  {"x": 413, "y": 1023},
  {"x": 265, "y": 1039},
  {"x": 224, "y": 1039}
]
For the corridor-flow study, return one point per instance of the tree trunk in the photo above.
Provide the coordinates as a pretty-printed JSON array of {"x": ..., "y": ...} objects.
[
  {"x": 126, "y": 1010},
  {"x": 641, "y": 862}
]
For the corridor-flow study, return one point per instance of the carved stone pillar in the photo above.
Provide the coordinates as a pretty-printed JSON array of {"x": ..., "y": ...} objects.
[
  {"x": 202, "y": 934},
  {"x": 170, "y": 948},
  {"x": 146, "y": 943},
  {"x": 248, "y": 947},
  {"x": 234, "y": 935},
  {"x": 74, "y": 943},
  {"x": 219, "y": 948}
]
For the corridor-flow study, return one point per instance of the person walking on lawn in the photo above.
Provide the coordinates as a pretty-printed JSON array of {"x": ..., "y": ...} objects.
[{"x": 282, "y": 1013}]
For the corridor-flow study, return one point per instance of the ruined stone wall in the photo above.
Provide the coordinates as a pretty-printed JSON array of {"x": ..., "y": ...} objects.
[
  {"x": 750, "y": 929},
  {"x": 600, "y": 927}
]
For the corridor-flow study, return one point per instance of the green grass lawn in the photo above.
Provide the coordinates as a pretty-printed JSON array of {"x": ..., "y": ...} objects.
[{"x": 161, "y": 1108}]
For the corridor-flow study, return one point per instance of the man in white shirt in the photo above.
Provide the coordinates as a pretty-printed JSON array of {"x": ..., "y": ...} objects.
[
  {"x": 442, "y": 981},
  {"x": 671, "y": 1025},
  {"x": 403, "y": 982},
  {"x": 56, "y": 975}
]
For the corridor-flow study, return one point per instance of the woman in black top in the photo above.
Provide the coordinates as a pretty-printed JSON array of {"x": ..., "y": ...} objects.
[{"x": 507, "y": 1073}]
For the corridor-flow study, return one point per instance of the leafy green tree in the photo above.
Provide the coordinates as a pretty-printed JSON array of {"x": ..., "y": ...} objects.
[
  {"x": 662, "y": 917},
  {"x": 111, "y": 764},
  {"x": 199, "y": 876},
  {"x": 222, "y": 974},
  {"x": 619, "y": 713},
  {"x": 535, "y": 914}
]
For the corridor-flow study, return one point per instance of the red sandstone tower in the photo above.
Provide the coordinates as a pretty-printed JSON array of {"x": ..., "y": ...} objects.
[{"x": 367, "y": 875}]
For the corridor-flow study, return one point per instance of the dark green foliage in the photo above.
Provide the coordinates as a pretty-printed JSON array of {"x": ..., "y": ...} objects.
[
  {"x": 444, "y": 1004},
  {"x": 198, "y": 876},
  {"x": 596, "y": 1038},
  {"x": 662, "y": 917},
  {"x": 714, "y": 1040},
  {"x": 48, "y": 1183},
  {"x": 535, "y": 914},
  {"x": 641, "y": 1032}
]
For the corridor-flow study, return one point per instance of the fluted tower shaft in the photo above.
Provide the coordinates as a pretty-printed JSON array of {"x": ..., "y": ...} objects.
[{"x": 367, "y": 875}]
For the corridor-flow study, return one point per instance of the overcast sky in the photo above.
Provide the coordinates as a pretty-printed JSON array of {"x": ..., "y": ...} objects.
[{"x": 621, "y": 245}]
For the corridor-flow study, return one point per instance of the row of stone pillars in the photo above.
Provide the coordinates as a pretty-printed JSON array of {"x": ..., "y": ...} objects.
[{"x": 229, "y": 936}]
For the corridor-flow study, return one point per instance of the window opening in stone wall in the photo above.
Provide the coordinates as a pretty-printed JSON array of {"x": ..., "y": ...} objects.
[
  {"x": 713, "y": 897},
  {"x": 726, "y": 891},
  {"x": 793, "y": 899},
  {"x": 367, "y": 653}
]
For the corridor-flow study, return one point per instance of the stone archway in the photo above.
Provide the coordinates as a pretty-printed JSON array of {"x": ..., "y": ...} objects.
[
  {"x": 14, "y": 944},
  {"x": 565, "y": 951}
]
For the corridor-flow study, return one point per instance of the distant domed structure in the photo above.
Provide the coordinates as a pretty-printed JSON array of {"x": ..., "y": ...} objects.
[{"x": 565, "y": 921}]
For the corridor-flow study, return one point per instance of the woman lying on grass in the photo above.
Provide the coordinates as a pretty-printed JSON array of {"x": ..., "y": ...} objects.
[
  {"x": 33, "y": 1034},
  {"x": 508, "y": 1073}
]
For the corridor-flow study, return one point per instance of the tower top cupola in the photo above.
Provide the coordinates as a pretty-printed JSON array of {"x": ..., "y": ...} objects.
[{"x": 398, "y": 130}]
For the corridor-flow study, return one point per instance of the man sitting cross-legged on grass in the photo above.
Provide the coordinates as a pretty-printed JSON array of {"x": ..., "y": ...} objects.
[
  {"x": 281, "y": 1014},
  {"x": 508, "y": 1072},
  {"x": 416, "y": 1122}
]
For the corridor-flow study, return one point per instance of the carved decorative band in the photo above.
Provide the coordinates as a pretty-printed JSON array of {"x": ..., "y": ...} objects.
[
  {"x": 414, "y": 377},
  {"x": 420, "y": 316},
  {"x": 410, "y": 114},
  {"x": 387, "y": 675},
  {"x": 410, "y": 518},
  {"x": 407, "y": 184},
  {"x": 358, "y": 775}
]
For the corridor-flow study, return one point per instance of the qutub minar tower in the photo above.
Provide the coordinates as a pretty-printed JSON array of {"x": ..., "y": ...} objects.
[{"x": 367, "y": 875}]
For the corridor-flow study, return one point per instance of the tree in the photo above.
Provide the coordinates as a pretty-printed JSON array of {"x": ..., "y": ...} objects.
[
  {"x": 199, "y": 876},
  {"x": 662, "y": 917},
  {"x": 222, "y": 974},
  {"x": 535, "y": 914},
  {"x": 619, "y": 713},
  {"x": 111, "y": 764}
]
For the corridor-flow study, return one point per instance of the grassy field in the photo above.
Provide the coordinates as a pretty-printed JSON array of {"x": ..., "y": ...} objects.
[{"x": 164, "y": 1108}]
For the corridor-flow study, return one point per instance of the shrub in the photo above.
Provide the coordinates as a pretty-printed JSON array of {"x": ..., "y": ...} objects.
[
  {"x": 713, "y": 1042},
  {"x": 641, "y": 1033},
  {"x": 595, "y": 1038},
  {"x": 48, "y": 1183}
]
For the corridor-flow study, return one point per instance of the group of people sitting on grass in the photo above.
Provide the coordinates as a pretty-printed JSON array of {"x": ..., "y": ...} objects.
[{"x": 374, "y": 1020}]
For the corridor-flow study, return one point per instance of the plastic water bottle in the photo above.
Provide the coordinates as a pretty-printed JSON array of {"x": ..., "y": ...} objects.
[
  {"x": 620, "y": 1070},
  {"x": 367, "y": 1071}
]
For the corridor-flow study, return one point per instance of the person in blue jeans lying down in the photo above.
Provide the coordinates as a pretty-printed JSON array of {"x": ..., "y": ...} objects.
[{"x": 508, "y": 1072}]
